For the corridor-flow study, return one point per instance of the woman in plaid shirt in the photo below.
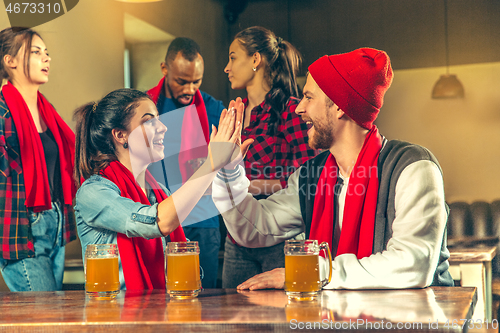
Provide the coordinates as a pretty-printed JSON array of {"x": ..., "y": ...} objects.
[
  {"x": 266, "y": 66},
  {"x": 36, "y": 166}
]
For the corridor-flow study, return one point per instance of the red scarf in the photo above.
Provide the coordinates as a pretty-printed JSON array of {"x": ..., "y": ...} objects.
[
  {"x": 194, "y": 142},
  {"x": 142, "y": 259},
  {"x": 36, "y": 180},
  {"x": 360, "y": 204}
]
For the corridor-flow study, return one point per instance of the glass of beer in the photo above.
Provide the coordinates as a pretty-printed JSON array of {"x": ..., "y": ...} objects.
[
  {"x": 302, "y": 276},
  {"x": 182, "y": 266},
  {"x": 101, "y": 271}
]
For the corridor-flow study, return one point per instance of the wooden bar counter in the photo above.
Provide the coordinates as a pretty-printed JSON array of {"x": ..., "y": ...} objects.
[{"x": 432, "y": 309}]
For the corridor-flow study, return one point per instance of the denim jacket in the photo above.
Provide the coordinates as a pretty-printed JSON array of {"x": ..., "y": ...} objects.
[{"x": 101, "y": 212}]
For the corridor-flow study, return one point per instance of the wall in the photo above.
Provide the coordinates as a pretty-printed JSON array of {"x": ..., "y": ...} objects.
[
  {"x": 146, "y": 59},
  {"x": 86, "y": 46},
  {"x": 411, "y": 31},
  {"x": 464, "y": 134}
]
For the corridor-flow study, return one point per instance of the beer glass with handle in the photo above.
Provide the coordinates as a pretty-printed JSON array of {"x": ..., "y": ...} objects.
[
  {"x": 182, "y": 265},
  {"x": 302, "y": 269},
  {"x": 101, "y": 270}
]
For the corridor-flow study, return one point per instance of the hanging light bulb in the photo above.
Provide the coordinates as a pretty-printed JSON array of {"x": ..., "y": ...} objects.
[{"x": 448, "y": 85}]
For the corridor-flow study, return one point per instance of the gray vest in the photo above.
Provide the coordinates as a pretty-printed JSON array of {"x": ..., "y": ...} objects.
[{"x": 394, "y": 158}]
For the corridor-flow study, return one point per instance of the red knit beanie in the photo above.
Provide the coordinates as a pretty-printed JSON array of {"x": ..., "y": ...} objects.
[{"x": 355, "y": 81}]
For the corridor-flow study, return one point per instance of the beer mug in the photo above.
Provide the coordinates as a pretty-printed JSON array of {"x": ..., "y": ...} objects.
[
  {"x": 101, "y": 270},
  {"x": 302, "y": 278},
  {"x": 182, "y": 266}
]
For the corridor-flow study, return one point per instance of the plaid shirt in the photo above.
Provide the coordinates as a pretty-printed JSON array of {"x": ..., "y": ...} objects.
[
  {"x": 276, "y": 157},
  {"x": 16, "y": 239}
]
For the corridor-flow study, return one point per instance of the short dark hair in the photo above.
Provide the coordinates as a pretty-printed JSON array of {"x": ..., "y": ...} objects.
[{"x": 188, "y": 48}]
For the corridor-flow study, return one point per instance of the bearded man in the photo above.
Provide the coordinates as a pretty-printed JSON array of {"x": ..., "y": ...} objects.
[{"x": 378, "y": 203}]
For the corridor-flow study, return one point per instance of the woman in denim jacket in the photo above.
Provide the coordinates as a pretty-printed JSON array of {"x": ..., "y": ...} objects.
[{"x": 119, "y": 201}]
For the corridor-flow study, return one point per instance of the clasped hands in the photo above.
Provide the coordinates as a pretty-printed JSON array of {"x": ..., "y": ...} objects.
[{"x": 226, "y": 149}]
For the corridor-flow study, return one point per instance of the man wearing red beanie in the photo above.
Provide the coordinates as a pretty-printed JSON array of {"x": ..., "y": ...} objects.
[{"x": 378, "y": 203}]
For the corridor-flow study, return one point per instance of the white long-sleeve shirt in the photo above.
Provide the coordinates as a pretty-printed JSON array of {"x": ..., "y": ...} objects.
[{"x": 411, "y": 255}]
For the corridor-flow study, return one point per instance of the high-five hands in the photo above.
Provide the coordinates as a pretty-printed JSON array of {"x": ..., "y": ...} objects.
[{"x": 225, "y": 149}]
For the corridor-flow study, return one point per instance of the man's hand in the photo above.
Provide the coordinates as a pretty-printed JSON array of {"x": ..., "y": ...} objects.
[{"x": 274, "y": 279}]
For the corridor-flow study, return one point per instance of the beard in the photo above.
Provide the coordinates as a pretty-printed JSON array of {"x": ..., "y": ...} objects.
[
  {"x": 176, "y": 100},
  {"x": 322, "y": 137}
]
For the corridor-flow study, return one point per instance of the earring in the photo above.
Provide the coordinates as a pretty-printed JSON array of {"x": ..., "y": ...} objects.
[
  {"x": 125, "y": 145},
  {"x": 254, "y": 69}
]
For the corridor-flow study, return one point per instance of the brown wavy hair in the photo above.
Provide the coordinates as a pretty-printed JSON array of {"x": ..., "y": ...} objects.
[{"x": 11, "y": 41}]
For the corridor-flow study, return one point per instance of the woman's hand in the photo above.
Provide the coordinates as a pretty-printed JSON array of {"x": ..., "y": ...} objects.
[{"x": 225, "y": 148}]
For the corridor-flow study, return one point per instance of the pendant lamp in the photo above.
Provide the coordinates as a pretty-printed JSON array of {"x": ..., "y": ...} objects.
[{"x": 448, "y": 85}]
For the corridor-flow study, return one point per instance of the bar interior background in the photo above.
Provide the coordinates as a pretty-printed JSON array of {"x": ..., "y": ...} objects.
[{"x": 87, "y": 47}]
